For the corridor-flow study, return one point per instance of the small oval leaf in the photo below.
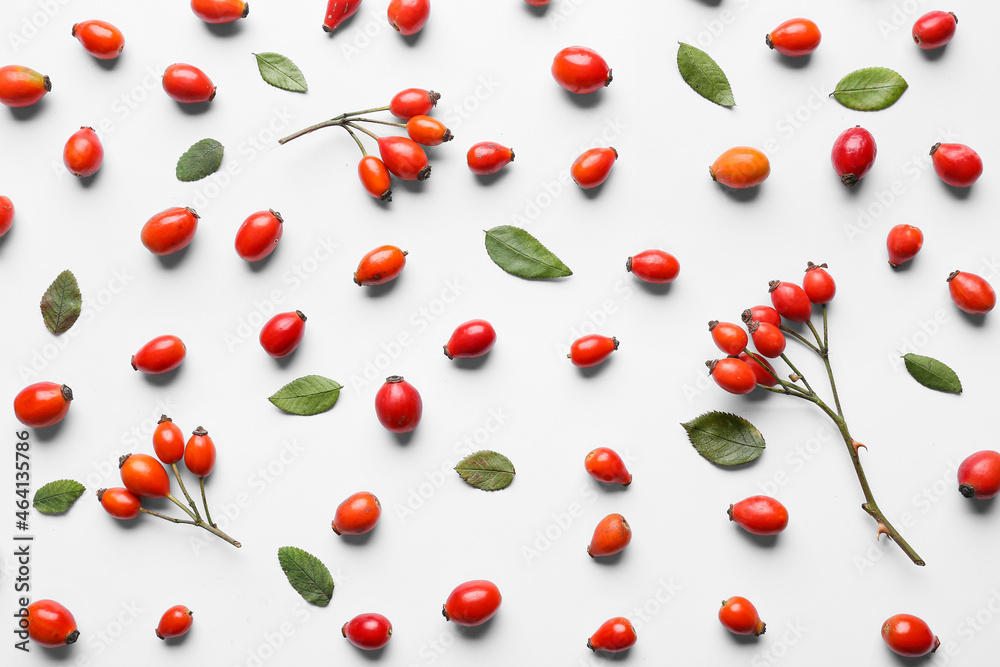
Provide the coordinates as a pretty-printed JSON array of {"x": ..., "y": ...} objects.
[
  {"x": 932, "y": 373},
  {"x": 307, "y": 575},
  {"x": 308, "y": 395},
  {"x": 486, "y": 470},
  {"x": 281, "y": 72},
  {"x": 520, "y": 254},
  {"x": 61, "y": 303},
  {"x": 202, "y": 159},
  {"x": 725, "y": 439},
  {"x": 57, "y": 497},
  {"x": 870, "y": 89},
  {"x": 704, "y": 75}
]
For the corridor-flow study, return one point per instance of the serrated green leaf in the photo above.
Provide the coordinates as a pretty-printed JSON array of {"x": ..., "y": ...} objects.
[
  {"x": 281, "y": 72},
  {"x": 725, "y": 439},
  {"x": 932, "y": 373},
  {"x": 704, "y": 75},
  {"x": 519, "y": 253},
  {"x": 307, "y": 575},
  {"x": 61, "y": 303},
  {"x": 486, "y": 470},
  {"x": 202, "y": 159},
  {"x": 870, "y": 89},
  {"x": 57, "y": 497},
  {"x": 308, "y": 395}
]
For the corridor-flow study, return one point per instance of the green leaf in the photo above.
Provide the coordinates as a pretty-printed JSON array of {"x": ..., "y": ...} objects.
[
  {"x": 281, "y": 72},
  {"x": 61, "y": 303},
  {"x": 486, "y": 470},
  {"x": 725, "y": 439},
  {"x": 309, "y": 395},
  {"x": 870, "y": 89},
  {"x": 932, "y": 373},
  {"x": 704, "y": 75},
  {"x": 202, "y": 159},
  {"x": 57, "y": 497},
  {"x": 519, "y": 253},
  {"x": 307, "y": 575}
]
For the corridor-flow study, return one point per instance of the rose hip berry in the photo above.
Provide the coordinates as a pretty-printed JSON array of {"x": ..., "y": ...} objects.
[
  {"x": 760, "y": 515},
  {"x": 338, "y": 11},
  {"x": 593, "y": 167},
  {"x": 50, "y": 624},
  {"x": 762, "y": 314},
  {"x": 220, "y": 11},
  {"x": 934, "y": 29},
  {"x": 428, "y": 131},
  {"x": 472, "y": 603},
  {"x": 375, "y": 177},
  {"x": 591, "y": 350},
  {"x": 187, "y": 84},
  {"x": 470, "y": 340},
  {"x": 144, "y": 476},
  {"x": 259, "y": 234},
  {"x": 398, "y": 405},
  {"x": 488, "y": 157},
  {"x": 404, "y": 158},
  {"x": 614, "y": 636},
  {"x": 956, "y": 164},
  {"x": 790, "y": 300},
  {"x": 368, "y": 631},
  {"x": 22, "y": 86},
  {"x": 380, "y": 265},
  {"x": 853, "y": 154},
  {"x": 120, "y": 503},
  {"x": 282, "y": 333},
  {"x": 100, "y": 39},
  {"x": 170, "y": 230},
  {"x": 413, "y": 102},
  {"x": 160, "y": 355},
  {"x": 979, "y": 475},
  {"x": 42, "y": 404},
  {"x": 794, "y": 38},
  {"x": 83, "y": 153},
  {"x": 653, "y": 266},
  {"x": 200, "y": 453},
  {"x": 175, "y": 622},
  {"x": 818, "y": 284},
  {"x": 580, "y": 70},
  {"x": 168, "y": 441},
  {"x": 357, "y": 515},
  {"x": 728, "y": 337},
  {"x": 6, "y": 215},
  {"x": 740, "y": 167},
  {"x": 408, "y": 17},
  {"x": 903, "y": 243},
  {"x": 733, "y": 375},
  {"x": 740, "y": 617},
  {"x": 762, "y": 369},
  {"x": 605, "y": 465},
  {"x": 768, "y": 339},
  {"x": 971, "y": 293},
  {"x": 611, "y": 536},
  {"x": 909, "y": 636}
]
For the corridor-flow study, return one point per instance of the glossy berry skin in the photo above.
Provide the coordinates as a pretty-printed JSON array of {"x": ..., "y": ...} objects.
[
  {"x": 768, "y": 339},
  {"x": 956, "y": 164},
  {"x": 853, "y": 154},
  {"x": 605, "y": 465},
  {"x": 653, "y": 266},
  {"x": 404, "y": 158},
  {"x": 979, "y": 475},
  {"x": 357, "y": 515},
  {"x": 6, "y": 215},
  {"x": 187, "y": 84},
  {"x": 538, "y": 3},
  {"x": 120, "y": 503},
  {"x": 971, "y": 293},
  {"x": 408, "y": 17},
  {"x": 470, "y": 340},
  {"x": 160, "y": 355},
  {"x": 50, "y": 624},
  {"x": 220, "y": 11},
  {"x": 740, "y": 167},
  {"x": 903, "y": 243},
  {"x": 42, "y": 404},
  {"x": 740, "y": 617},
  {"x": 22, "y": 86},
  {"x": 818, "y": 284},
  {"x": 768, "y": 379},
  {"x": 168, "y": 441},
  {"x": 611, "y": 536},
  {"x": 100, "y": 39},
  {"x": 762, "y": 314},
  {"x": 909, "y": 636},
  {"x": 428, "y": 131},
  {"x": 728, "y": 337},
  {"x": 375, "y": 177},
  {"x": 790, "y": 300},
  {"x": 338, "y": 11},
  {"x": 580, "y": 70},
  {"x": 488, "y": 157},
  {"x": 170, "y": 230},
  {"x": 199, "y": 453},
  {"x": 614, "y": 636},
  {"x": 412, "y": 102},
  {"x": 369, "y": 632},
  {"x": 934, "y": 29},
  {"x": 144, "y": 476},
  {"x": 175, "y": 622},
  {"x": 593, "y": 167},
  {"x": 259, "y": 234},
  {"x": 283, "y": 333},
  {"x": 760, "y": 515},
  {"x": 380, "y": 265},
  {"x": 794, "y": 38},
  {"x": 591, "y": 350},
  {"x": 398, "y": 405},
  {"x": 83, "y": 153},
  {"x": 472, "y": 603},
  {"x": 733, "y": 375}
]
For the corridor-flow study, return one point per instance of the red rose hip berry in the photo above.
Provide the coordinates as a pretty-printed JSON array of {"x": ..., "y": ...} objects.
[
  {"x": 375, "y": 177},
  {"x": 934, "y": 29},
  {"x": 580, "y": 70},
  {"x": 472, "y": 603},
  {"x": 794, "y": 38},
  {"x": 653, "y": 266},
  {"x": 762, "y": 369},
  {"x": 259, "y": 234},
  {"x": 22, "y": 86},
  {"x": 369, "y": 632},
  {"x": 412, "y": 102},
  {"x": 593, "y": 167},
  {"x": 160, "y": 355},
  {"x": 175, "y": 622},
  {"x": 144, "y": 476},
  {"x": 740, "y": 168},
  {"x": 728, "y": 337},
  {"x": 187, "y": 84},
  {"x": 283, "y": 333},
  {"x": 6, "y": 215},
  {"x": 50, "y": 624},
  {"x": 408, "y": 17},
  {"x": 380, "y": 265},
  {"x": 971, "y": 293},
  {"x": 120, "y": 503},
  {"x": 739, "y": 616},
  {"x": 853, "y": 154},
  {"x": 903, "y": 243},
  {"x": 200, "y": 453},
  {"x": 591, "y": 350},
  {"x": 168, "y": 441},
  {"x": 83, "y": 153},
  {"x": 614, "y": 636},
  {"x": 768, "y": 339},
  {"x": 956, "y": 164},
  {"x": 357, "y": 515},
  {"x": 488, "y": 157},
  {"x": 762, "y": 314},
  {"x": 979, "y": 475},
  {"x": 220, "y": 11},
  {"x": 398, "y": 405},
  {"x": 100, "y": 39},
  {"x": 338, "y": 11},
  {"x": 605, "y": 465},
  {"x": 470, "y": 340},
  {"x": 790, "y": 300},
  {"x": 170, "y": 230},
  {"x": 760, "y": 515},
  {"x": 428, "y": 131},
  {"x": 909, "y": 636},
  {"x": 733, "y": 375},
  {"x": 42, "y": 404},
  {"x": 611, "y": 536},
  {"x": 818, "y": 284},
  {"x": 404, "y": 158}
]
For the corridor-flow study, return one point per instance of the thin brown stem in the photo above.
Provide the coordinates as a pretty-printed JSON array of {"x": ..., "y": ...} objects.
[
  {"x": 165, "y": 517},
  {"x": 191, "y": 514},
  {"x": 797, "y": 336},
  {"x": 312, "y": 128},
  {"x": 829, "y": 368},
  {"x": 204, "y": 501},
  {"x": 361, "y": 129},
  {"x": 796, "y": 371},
  {"x": 364, "y": 153},
  {"x": 379, "y": 122},
  {"x": 177, "y": 474}
]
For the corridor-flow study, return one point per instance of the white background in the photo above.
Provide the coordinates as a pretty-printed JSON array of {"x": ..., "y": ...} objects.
[{"x": 824, "y": 586}]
